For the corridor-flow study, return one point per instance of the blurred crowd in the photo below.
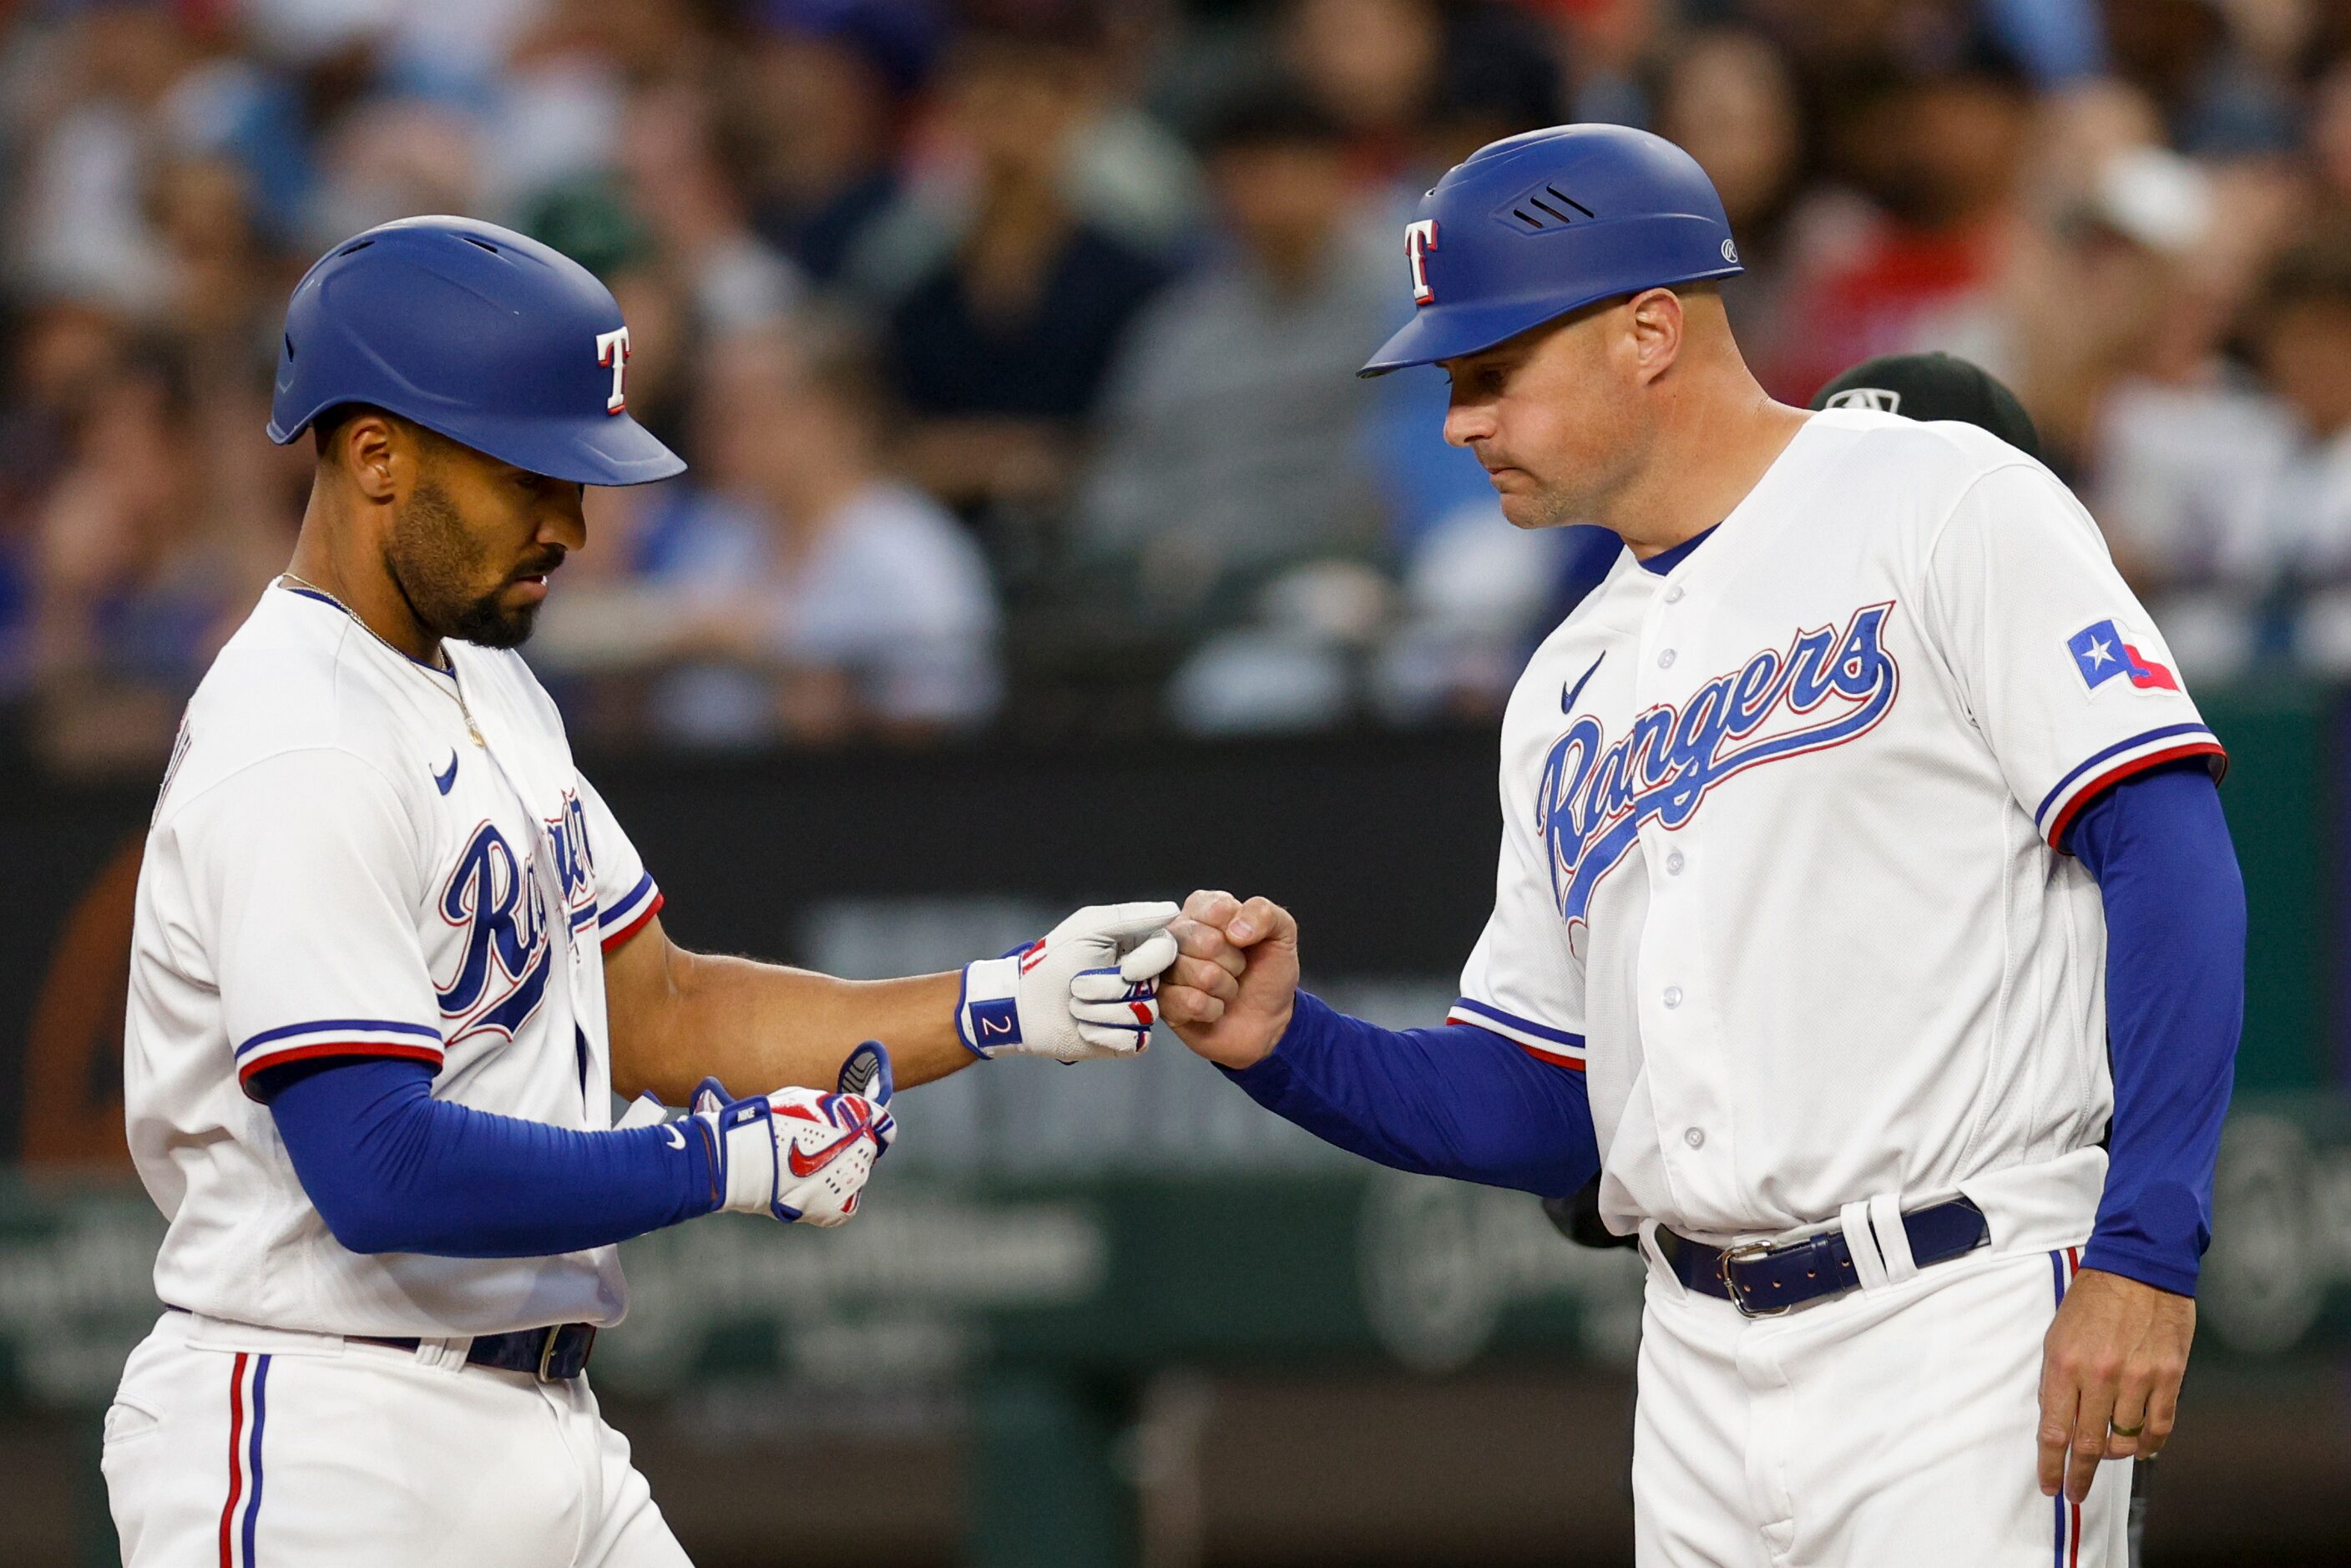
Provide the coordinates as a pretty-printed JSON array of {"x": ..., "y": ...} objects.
[{"x": 1011, "y": 341}]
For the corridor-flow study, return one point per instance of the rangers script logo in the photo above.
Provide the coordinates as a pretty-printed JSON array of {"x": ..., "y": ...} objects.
[
  {"x": 1595, "y": 794},
  {"x": 501, "y": 973}
]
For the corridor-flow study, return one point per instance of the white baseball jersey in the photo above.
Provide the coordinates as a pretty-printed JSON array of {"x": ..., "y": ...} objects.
[
  {"x": 336, "y": 868},
  {"x": 1777, "y": 865}
]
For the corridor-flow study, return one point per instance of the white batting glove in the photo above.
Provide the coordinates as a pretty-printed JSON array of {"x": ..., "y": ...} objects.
[
  {"x": 797, "y": 1155},
  {"x": 1088, "y": 988}
]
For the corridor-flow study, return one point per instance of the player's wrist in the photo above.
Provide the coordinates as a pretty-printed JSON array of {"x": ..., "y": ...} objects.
[
  {"x": 2155, "y": 1271},
  {"x": 705, "y": 1167},
  {"x": 745, "y": 1171},
  {"x": 987, "y": 1005},
  {"x": 1304, "y": 1014}
]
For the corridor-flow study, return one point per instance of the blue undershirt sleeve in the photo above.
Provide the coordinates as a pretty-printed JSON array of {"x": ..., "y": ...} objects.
[
  {"x": 391, "y": 1169},
  {"x": 1458, "y": 1101},
  {"x": 2174, "y": 907}
]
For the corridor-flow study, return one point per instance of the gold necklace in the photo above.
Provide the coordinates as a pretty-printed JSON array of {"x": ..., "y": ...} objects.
[{"x": 447, "y": 667}]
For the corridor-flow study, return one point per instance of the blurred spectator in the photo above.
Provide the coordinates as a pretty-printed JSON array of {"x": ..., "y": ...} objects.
[
  {"x": 1936, "y": 153},
  {"x": 1609, "y": 46},
  {"x": 2193, "y": 56},
  {"x": 64, "y": 354},
  {"x": 818, "y": 100},
  {"x": 1419, "y": 86},
  {"x": 2097, "y": 290},
  {"x": 80, "y": 227},
  {"x": 2297, "y": 522},
  {"x": 697, "y": 218},
  {"x": 1233, "y": 425},
  {"x": 1371, "y": 66},
  {"x": 999, "y": 352},
  {"x": 1478, "y": 594},
  {"x": 2089, "y": 196},
  {"x": 391, "y": 158},
  {"x": 140, "y": 574},
  {"x": 813, "y": 597},
  {"x": 1730, "y": 102}
]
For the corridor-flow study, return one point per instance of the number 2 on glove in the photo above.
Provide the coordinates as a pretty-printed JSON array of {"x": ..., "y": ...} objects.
[{"x": 1088, "y": 988}]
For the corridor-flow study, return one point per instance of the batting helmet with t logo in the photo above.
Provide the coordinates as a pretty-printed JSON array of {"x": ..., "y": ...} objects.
[
  {"x": 1527, "y": 229},
  {"x": 486, "y": 336}
]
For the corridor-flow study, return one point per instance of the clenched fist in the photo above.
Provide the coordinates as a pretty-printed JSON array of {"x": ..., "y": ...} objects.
[{"x": 1229, "y": 993}]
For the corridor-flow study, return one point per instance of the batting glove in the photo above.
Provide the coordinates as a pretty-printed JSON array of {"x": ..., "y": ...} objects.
[
  {"x": 1088, "y": 988},
  {"x": 797, "y": 1155}
]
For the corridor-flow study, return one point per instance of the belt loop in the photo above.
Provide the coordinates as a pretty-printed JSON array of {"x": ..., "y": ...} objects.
[
  {"x": 1868, "y": 1268},
  {"x": 1653, "y": 1251},
  {"x": 1893, "y": 1237},
  {"x": 448, "y": 1353}
]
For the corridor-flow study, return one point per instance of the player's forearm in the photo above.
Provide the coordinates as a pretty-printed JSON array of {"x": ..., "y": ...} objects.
[
  {"x": 391, "y": 1169},
  {"x": 2175, "y": 909},
  {"x": 1457, "y": 1102},
  {"x": 762, "y": 1026}
]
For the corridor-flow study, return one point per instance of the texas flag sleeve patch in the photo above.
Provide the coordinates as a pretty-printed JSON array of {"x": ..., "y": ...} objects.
[{"x": 2101, "y": 655}]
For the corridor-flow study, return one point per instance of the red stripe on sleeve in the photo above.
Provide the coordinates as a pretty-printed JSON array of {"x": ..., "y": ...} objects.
[
  {"x": 1569, "y": 1063},
  {"x": 429, "y": 1055},
  {"x": 633, "y": 926},
  {"x": 2116, "y": 775}
]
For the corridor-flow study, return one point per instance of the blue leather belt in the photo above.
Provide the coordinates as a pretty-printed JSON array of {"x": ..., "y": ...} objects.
[
  {"x": 551, "y": 1354},
  {"x": 1763, "y": 1281}
]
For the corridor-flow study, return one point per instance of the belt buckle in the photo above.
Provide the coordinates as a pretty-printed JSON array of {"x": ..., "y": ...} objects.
[
  {"x": 547, "y": 1348},
  {"x": 1747, "y": 1253}
]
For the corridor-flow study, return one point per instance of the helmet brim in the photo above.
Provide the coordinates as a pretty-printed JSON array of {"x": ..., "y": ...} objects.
[
  {"x": 1438, "y": 332},
  {"x": 602, "y": 449}
]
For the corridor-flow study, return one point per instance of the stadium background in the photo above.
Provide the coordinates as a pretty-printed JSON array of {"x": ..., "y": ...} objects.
[{"x": 1040, "y": 547}]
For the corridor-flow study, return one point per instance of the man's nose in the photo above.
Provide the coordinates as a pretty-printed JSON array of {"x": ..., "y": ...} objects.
[
  {"x": 1466, "y": 423},
  {"x": 564, "y": 523}
]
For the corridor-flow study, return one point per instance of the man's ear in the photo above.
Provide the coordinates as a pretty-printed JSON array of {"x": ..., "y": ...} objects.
[
  {"x": 371, "y": 449},
  {"x": 1655, "y": 321}
]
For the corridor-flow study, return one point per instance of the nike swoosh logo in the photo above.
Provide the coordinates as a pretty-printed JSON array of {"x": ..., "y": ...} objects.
[
  {"x": 1566, "y": 701},
  {"x": 807, "y": 1164},
  {"x": 447, "y": 780}
]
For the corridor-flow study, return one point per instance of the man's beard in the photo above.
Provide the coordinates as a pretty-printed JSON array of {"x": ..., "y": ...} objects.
[{"x": 435, "y": 560}]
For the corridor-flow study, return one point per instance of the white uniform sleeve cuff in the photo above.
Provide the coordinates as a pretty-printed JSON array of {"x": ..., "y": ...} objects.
[
  {"x": 1562, "y": 1046},
  {"x": 2150, "y": 749},
  {"x": 337, "y": 1037}
]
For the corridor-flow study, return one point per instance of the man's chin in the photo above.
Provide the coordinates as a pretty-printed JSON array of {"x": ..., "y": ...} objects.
[
  {"x": 488, "y": 624},
  {"x": 1528, "y": 508},
  {"x": 1525, "y": 511}
]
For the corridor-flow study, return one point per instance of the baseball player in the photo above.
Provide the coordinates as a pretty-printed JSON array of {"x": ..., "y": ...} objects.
[
  {"x": 1916, "y": 386},
  {"x": 1845, "y": 825},
  {"x": 392, "y": 956}
]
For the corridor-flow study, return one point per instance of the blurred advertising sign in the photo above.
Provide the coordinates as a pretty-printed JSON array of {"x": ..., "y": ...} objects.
[{"x": 2281, "y": 1254}]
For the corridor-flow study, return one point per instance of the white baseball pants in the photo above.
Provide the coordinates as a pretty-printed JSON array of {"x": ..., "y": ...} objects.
[
  {"x": 1894, "y": 1424},
  {"x": 250, "y": 1447}
]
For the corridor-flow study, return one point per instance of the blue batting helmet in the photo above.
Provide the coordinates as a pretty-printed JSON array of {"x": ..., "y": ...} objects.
[
  {"x": 486, "y": 336},
  {"x": 1527, "y": 229}
]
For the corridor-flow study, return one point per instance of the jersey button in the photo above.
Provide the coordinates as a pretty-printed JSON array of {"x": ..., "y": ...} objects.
[
  {"x": 1673, "y": 996},
  {"x": 1695, "y": 1138},
  {"x": 1674, "y": 594},
  {"x": 1674, "y": 863},
  {"x": 1666, "y": 660}
]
